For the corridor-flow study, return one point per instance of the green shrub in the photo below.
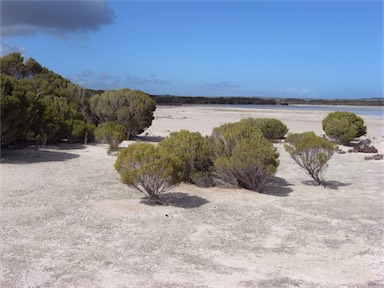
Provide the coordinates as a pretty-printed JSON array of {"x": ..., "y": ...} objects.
[
  {"x": 148, "y": 169},
  {"x": 131, "y": 108},
  {"x": 243, "y": 156},
  {"x": 225, "y": 137},
  {"x": 193, "y": 149},
  {"x": 343, "y": 127},
  {"x": 271, "y": 128},
  {"x": 112, "y": 133},
  {"x": 311, "y": 152},
  {"x": 81, "y": 131}
]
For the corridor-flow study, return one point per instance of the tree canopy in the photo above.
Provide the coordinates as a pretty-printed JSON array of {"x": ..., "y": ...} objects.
[
  {"x": 131, "y": 108},
  {"x": 38, "y": 103}
]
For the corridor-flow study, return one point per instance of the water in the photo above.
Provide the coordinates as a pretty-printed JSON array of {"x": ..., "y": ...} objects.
[{"x": 372, "y": 111}]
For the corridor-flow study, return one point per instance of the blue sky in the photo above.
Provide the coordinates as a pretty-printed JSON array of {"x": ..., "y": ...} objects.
[{"x": 306, "y": 49}]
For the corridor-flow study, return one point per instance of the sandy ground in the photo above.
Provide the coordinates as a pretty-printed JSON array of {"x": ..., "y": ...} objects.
[{"x": 67, "y": 221}]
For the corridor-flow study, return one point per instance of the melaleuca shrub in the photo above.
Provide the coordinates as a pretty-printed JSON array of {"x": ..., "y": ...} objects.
[
  {"x": 311, "y": 152},
  {"x": 343, "y": 127},
  {"x": 244, "y": 157},
  {"x": 147, "y": 168},
  {"x": 196, "y": 153},
  {"x": 271, "y": 128},
  {"x": 112, "y": 133},
  {"x": 225, "y": 137}
]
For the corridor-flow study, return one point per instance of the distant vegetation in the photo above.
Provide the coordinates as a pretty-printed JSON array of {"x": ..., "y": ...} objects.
[
  {"x": 182, "y": 100},
  {"x": 185, "y": 100}
]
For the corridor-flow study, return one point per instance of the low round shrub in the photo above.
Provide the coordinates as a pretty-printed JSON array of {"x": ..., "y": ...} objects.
[
  {"x": 148, "y": 169},
  {"x": 196, "y": 153},
  {"x": 243, "y": 156},
  {"x": 112, "y": 133},
  {"x": 252, "y": 163},
  {"x": 271, "y": 128},
  {"x": 311, "y": 152},
  {"x": 225, "y": 137},
  {"x": 343, "y": 127}
]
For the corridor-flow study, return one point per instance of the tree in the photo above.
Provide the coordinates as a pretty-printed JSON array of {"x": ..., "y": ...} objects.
[
  {"x": 343, "y": 127},
  {"x": 131, "y": 108},
  {"x": 196, "y": 153},
  {"x": 37, "y": 103},
  {"x": 14, "y": 105},
  {"x": 243, "y": 156},
  {"x": 82, "y": 131},
  {"x": 271, "y": 128},
  {"x": 148, "y": 169},
  {"x": 311, "y": 152},
  {"x": 112, "y": 133},
  {"x": 13, "y": 65}
]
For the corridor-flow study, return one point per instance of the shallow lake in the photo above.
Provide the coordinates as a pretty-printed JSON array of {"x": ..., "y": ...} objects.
[{"x": 373, "y": 111}]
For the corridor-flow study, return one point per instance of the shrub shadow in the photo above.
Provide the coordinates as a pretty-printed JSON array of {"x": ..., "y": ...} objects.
[
  {"x": 278, "y": 187},
  {"x": 29, "y": 156},
  {"x": 66, "y": 146},
  {"x": 333, "y": 184},
  {"x": 178, "y": 199},
  {"x": 150, "y": 139}
]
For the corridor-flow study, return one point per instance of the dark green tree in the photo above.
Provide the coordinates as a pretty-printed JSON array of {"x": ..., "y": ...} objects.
[
  {"x": 132, "y": 108},
  {"x": 14, "y": 105}
]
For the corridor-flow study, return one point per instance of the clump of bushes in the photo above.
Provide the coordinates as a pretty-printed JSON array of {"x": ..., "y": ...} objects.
[
  {"x": 311, "y": 152},
  {"x": 244, "y": 158},
  {"x": 148, "y": 169},
  {"x": 112, "y": 133},
  {"x": 272, "y": 129},
  {"x": 343, "y": 127},
  {"x": 196, "y": 153}
]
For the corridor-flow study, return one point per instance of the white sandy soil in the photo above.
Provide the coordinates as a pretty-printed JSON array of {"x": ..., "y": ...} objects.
[{"x": 67, "y": 221}]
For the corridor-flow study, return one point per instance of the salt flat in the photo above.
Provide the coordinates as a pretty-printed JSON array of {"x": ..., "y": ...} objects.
[{"x": 67, "y": 221}]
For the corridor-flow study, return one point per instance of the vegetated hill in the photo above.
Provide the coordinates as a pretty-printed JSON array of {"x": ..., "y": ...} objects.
[
  {"x": 199, "y": 100},
  {"x": 38, "y": 104}
]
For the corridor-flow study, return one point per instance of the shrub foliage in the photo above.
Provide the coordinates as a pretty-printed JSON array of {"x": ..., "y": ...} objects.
[
  {"x": 243, "y": 157},
  {"x": 196, "y": 153},
  {"x": 131, "y": 108},
  {"x": 343, "y": 127},
  {"x": 271, "y": 128},
  {"x": 148, "y": 169},
  {"x": 311, "y": 152},
  {"x": 112, "y": 133}
]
